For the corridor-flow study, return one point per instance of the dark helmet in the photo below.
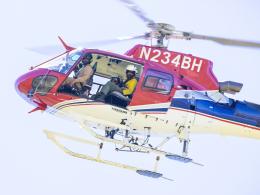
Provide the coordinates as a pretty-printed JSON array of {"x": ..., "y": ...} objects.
[{"x": 87, "y": 58}]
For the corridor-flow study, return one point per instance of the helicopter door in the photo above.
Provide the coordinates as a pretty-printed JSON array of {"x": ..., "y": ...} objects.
[{"x": 155, "y": 87}]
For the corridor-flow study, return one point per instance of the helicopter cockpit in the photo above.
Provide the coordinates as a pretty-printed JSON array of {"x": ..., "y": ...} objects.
[
  {"x": 51, "y": 77},
  {"x": 105, "y": 68}
]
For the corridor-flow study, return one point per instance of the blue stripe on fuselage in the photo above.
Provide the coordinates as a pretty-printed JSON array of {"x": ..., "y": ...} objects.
[
  {"x": 237, "y": 111},
  {"x": 152, "y": 110}
]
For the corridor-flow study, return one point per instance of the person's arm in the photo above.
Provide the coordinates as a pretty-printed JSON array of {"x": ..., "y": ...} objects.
[
  {"x": 87, "y": 73},
  {"x": 130, "y": 87},
  {"x": 68, "y": 81}
]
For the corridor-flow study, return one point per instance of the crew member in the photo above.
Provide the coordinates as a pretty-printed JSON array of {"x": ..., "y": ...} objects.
[
  {"x": 83, "y": 77},
  {"x": 127, "y": 89}
]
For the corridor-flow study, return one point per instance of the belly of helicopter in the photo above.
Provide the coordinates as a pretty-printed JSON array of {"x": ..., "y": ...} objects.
[
  {"x": 160, "y": 124},
  {"x": 104, "y": 115}
]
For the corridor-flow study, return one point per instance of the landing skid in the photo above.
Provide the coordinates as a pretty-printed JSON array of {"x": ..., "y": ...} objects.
[{"x": 54, "y": 137}]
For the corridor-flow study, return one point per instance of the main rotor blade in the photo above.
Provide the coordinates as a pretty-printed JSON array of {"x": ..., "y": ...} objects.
[
  {"x": 110, "y": 41},
  {"x": 226, "y": 41},
  {"x": 53, "y": 49},
  {"x": 138, "y": 12},
  {"x": 220, "y": 40}
]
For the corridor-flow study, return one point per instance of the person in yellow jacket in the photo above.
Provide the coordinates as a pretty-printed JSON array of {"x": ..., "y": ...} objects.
[{"x": 126, "y": 90}]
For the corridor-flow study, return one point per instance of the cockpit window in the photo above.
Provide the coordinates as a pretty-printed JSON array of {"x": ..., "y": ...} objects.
[
  {"x": 64, "y": 62},
  {"x": 43, "y": 84}
]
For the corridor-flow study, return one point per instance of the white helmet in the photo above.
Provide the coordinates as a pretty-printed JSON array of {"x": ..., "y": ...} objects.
[{"x": 132, "y": 68}]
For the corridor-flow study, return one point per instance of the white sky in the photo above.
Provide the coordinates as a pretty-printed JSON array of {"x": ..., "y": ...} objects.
[{"x": 31, "y": 164}]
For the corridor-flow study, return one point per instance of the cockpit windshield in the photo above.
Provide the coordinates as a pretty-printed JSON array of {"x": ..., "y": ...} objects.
[{"x": 64, "y": 62}]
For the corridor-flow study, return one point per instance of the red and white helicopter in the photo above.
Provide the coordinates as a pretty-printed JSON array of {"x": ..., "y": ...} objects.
[{"x": 177, "y": 94}]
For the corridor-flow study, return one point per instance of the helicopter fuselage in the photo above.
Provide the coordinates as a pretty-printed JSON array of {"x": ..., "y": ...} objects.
[{"x": 184, "y": 99}]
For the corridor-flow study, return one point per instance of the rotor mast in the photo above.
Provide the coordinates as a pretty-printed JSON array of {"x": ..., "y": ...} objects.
[{"x": 160, "y": 32}]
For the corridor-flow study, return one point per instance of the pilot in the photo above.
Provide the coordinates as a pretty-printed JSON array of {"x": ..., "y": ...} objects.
[
  {"x": 83, "y": 77},
  {"x": 128, "y": 86}
]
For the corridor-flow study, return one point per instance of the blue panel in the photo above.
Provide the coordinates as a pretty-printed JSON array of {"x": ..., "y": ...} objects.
[
  {"x": 152, "y": 110},
  {"x": 181, "y": 103},
  {"x": 205, "y": 106},
  {"x": 249, "y": 111},
  {"x": 243, "y": 112}
]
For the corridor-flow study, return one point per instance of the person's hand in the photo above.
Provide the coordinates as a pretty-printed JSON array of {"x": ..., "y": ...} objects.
[{"x": 72, "y": 82}]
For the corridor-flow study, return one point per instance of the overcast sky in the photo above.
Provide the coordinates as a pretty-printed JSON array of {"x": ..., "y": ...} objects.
[{"x": 31, "y": 164}]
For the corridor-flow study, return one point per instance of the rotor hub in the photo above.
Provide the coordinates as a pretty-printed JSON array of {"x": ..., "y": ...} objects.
[
  {"x": 160, "y": 31},
  {"x": 163, "y": 28}
]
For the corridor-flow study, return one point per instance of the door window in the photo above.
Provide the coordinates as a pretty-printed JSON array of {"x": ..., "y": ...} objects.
[{"x": 158, "y": 82}]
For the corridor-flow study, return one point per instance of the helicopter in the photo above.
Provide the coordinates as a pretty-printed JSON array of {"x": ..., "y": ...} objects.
[{"x": 176, "y": 95}]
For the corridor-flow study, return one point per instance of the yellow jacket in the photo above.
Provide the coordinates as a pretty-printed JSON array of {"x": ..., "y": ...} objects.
[{"x": 130, "y": 87}]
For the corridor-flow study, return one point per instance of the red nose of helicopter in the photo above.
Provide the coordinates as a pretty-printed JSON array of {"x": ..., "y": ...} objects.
[
  {"x": 40, "y": 85},
  {"x": 23, "y": 85},
  {"x": 34, "y": 87}
]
